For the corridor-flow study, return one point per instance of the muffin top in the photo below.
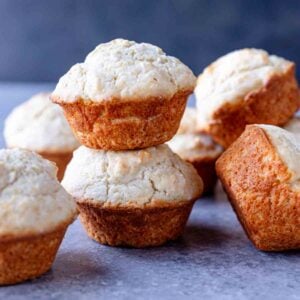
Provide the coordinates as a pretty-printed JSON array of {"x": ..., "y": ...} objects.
[
  {"x": 124, "y": 70},
  {"x": 287, "y": 146},
  {"x": 190, "y": 144},
  {"x": 32, "y": 201},
  {"x": 134, "y": 177},
  {"x": 39, "y": 125},
  {"x": 195, "y": 146},
  {"x": 230, "y": 78}
]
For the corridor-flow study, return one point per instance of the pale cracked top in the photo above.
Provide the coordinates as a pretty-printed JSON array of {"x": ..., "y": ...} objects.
[
  {"x": 39, "y": 125},
  {"x": 136, "y": 176},
  {"x": 124, "y": 69},
  {"x": 287, "y": 146},
  {"x": 32, "y": 201},
  {"x": 191, "y": 145},
  {"x": 230, "y": 78}
]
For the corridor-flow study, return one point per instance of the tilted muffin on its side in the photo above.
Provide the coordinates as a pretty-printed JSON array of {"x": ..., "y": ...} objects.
[
  {"x": 35, "y": 212},
  {"x": 40, "y": 126},
  {"x": 260, "y": 172},
  {"x": 125, "y": 95},
  {"x": 196, "y": 148},
  {"x": 132, "y": 198},
  {"x": 247, "y": 86}
]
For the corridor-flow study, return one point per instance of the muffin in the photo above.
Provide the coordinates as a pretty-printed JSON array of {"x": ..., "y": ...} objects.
[
  {"x": 136, "y": 198},
  {"x": 125, "y": 96},
  {"x": 40, "y": 126},
  {"x": 247, "y": 86},
  {"x": 35, "y": 212},
  {"x": 260, "y": 172},
  {"x": 196, "y": 148}
]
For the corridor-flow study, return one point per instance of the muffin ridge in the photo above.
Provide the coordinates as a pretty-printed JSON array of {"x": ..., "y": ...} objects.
[{"x": 125, "y": 70}]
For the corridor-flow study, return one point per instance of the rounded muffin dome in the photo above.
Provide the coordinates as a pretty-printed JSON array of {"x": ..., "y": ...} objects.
[
  {"x": 39, "y": 125},
  {"x": 139, "y": 176},
  {"x": 232, "y": 77},
  {"x": 32, "y": 201},
  {"x": 124, "y": 69}
]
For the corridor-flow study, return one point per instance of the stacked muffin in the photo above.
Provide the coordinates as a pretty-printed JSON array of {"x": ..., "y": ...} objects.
[{"x": 123, "y": 102}]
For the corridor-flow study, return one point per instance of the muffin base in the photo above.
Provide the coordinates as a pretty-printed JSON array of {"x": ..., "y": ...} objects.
[
  {"x": 28, "y": 257},
  {"x": 125, "y": 124},
  {"x": 274, "y": 104},
  {"x": 207, "y": 172},
  {"x": 257, "y": 184},
  {"x": 139, "y": 227},
  {"x": 60, "y": 159}
]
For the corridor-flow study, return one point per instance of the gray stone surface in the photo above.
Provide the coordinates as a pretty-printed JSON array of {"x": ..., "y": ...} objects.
[{"x": 213, "y": 260}]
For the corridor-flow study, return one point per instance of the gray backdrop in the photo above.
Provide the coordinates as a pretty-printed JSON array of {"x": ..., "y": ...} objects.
[{"x": 41, "y": 39}]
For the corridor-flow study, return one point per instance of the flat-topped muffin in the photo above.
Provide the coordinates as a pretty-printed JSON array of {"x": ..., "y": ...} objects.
[
  {"x": 40, "y": 126},
  {"x": 148, "y": 193},
  {"x": 260, "y": 172},
  {"x": 35, "y": 212},
  {"x": 246, "y": 86},
  {"x": 125, "y": 95},
  {"x": 196, "y": 148}
]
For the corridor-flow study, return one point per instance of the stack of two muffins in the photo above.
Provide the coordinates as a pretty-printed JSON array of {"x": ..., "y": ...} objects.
[{"x": 122, "y": 103}]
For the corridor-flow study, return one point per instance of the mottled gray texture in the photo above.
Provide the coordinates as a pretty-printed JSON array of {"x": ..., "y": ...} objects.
[{"x": 213, "y": 260}]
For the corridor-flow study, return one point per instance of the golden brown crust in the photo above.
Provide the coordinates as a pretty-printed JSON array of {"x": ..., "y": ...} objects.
[
  {"x": 273, "y": 104},
  {"x": 139, "y": 227},
  {"x": 60, "y": 159},
  {"x": 28, "y": 258},
  {"x": 207, "y": 172},
  {"x": 257, "y": 184},
  {"x": 127, "y": 124}
]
